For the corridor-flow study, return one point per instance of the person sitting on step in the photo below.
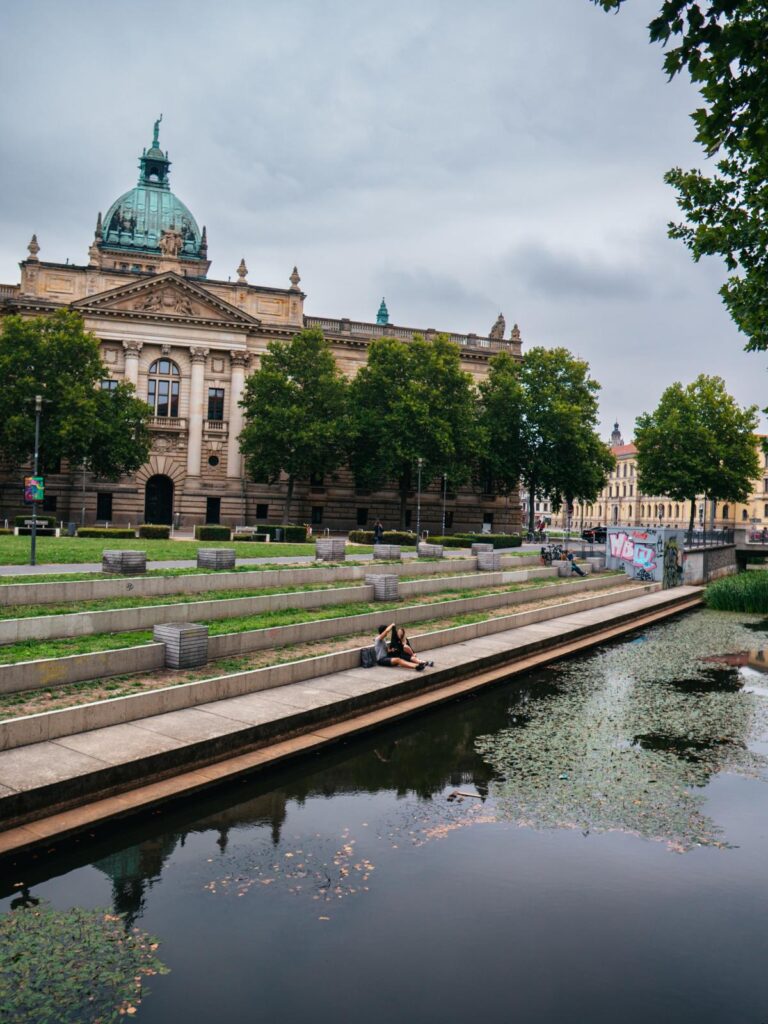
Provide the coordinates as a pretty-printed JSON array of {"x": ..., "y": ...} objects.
[{"x": 387, "y": 652}]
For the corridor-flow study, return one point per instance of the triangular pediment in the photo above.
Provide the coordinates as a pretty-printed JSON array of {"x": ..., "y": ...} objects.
[{"x": 167, "y": 297}]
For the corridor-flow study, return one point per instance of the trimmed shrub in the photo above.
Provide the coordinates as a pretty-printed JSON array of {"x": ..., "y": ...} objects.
[
  {"x": 745, "y": 592},
  {"x": 399, "y": 537},
  {"x": 450, "y": 542},
  {"x": 242, "y": 538},
  {"x": 292, "y": 534},
  {"x": 50, "y": 521},
  {"x": 499, "y": 540},
  {"x": 112, "y": 532},
  {"x": 361, "y": 536},
  {"x": 155, "y": 531},
  {"x": 5, "y": 530},
  {"x": 212, "y": 533}
]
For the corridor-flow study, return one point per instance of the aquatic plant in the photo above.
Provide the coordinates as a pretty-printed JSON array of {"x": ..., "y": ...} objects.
[
  {"x": 630, "y": 733},
  {"x": 66, "y": 966},
  {"x": 745, "y": 592}
]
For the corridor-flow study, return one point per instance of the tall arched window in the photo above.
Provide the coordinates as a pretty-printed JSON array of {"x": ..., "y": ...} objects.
[
  {"x": 725, "y": 511},
  {"x": 163, "y": 388}
]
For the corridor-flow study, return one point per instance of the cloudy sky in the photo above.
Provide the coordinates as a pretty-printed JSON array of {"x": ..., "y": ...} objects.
[{"x": 460, "y": 159}]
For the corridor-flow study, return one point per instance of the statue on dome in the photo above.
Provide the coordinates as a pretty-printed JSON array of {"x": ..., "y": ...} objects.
[
  {"x": 156, "y": 135},
  {"x": 171, "y": 242}
]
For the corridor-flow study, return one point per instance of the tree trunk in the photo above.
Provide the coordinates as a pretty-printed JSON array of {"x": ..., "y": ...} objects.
[
  {"x": 403, "y": 502},
  {"x": 693, "y": 515},
  {"x": 288, "y": 500},
  {"x": 531, "y": 498}
]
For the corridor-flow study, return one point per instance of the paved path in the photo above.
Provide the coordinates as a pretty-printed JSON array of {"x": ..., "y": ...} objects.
[{"x": 59, "y": 771}]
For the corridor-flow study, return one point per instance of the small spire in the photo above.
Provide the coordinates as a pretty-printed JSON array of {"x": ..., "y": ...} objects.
[
  {"x": 294, "y": 279},
  {"x": 97, "y": 232},
  {"x": 33, "y": 248},
  {"x": 204, "y": 242},
  {"x": 156, "y": 135},
  {"x": 242, "y": 271},
  {"x": 382, "y": 317}
]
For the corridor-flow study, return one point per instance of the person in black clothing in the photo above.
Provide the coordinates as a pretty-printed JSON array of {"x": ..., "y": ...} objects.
[
  {"x": 399, "y": 643},
  {"x": 378, "y": 532},
  {"x": 388, "y": 653}
]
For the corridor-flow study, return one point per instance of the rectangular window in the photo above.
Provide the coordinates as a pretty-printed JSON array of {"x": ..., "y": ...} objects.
[
  {"x": 449, "y": 520},
  {"x": 488, "y": 518},
  {"x": 49, "y": 503},
  {"x": 104, "y": 506},
  {"x": 213, "y": 510},
  {"x": 215, "y": 403},
  {"x": 765, "y": 511},
  {"x": 407, "y": 519},
  {"x": 317, "y": 515},
  {"x": 262, "y": 511},
  {"x": 631, "y": 490},
  {"x": 362, "y": 517},
  {"x": 108, "y": 385}
]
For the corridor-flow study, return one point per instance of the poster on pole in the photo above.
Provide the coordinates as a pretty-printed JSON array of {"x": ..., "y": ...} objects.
[{"x": 34, "y": 489}]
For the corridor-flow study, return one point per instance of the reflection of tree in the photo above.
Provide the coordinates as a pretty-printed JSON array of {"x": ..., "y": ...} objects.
[{"x": 634, "y": 729}]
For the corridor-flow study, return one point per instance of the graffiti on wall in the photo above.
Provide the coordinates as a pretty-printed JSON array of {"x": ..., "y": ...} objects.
[{"x": 647, "y": 554}]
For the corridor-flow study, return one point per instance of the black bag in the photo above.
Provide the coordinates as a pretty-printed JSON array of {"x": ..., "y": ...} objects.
[{"x": 367, "y": 657}]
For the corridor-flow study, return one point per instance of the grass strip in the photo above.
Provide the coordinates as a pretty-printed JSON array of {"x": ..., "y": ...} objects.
[
  {"x": 30, "y": 702},
  {"x": 31, "y": 650}
]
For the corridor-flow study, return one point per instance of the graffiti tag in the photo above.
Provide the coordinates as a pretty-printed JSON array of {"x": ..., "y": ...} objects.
[{"x": 627, "y": 549}]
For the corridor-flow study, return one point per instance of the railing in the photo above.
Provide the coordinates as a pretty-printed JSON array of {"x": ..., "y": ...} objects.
[
  {"x": 707, "y": 538},
  {"x": 9, "y": 289},
  {"x": 167, "y": 423},
  {"x": 216, "y": 426},
  {"x": 755, "y": 536},
  {"x": 359, "y": 329}
]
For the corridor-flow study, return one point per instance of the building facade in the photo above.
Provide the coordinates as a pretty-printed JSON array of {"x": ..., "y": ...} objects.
[{"x": 187, "y": 342}]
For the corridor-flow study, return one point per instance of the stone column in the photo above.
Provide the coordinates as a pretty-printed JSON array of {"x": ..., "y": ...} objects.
[
  {"x": 196, "y": 411},
  {"x": 240, "y": 361},
  {"x": 132, "y": 353}
]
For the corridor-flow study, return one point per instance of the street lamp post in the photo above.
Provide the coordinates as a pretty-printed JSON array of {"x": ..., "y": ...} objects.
[
  {"x": 445, "y": 488},
  {"x": 419, "y": 463},
  {"x": 33, "y": 545}
]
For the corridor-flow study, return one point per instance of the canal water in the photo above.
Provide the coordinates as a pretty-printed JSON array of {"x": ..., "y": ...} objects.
[{"x": 585, "y": 844}]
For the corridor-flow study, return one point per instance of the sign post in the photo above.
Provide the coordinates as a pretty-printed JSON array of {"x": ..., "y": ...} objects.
[{"x": 34, "y": 485}]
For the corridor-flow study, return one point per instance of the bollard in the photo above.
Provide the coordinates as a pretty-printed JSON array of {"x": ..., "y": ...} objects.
[
  {"x": 388, "y": 551},
  {"x": 215, "y": 558},
  {"x": 488, "y": 561},
  {"x": 331, "y": 549},
  {"x": 186, "y": 643},
  {"x": 385, "y": 586},
  {"x": 429, "y": 550},
  {"x": 478, "y": 549},
  {"x": 123, "y": 563}
]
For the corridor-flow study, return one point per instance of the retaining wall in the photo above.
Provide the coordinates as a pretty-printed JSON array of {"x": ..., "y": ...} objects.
[
  {"x": 204, "y": 583},
  {"x": 53, "y": 724}
]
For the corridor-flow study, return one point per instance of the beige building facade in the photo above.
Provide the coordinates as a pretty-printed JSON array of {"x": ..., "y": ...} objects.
[{"x": 187, "y": 342}]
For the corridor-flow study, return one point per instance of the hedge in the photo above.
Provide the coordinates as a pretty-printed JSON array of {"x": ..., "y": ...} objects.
[
  {"x": 213, "y": 533},
  {"x": 449, "y": 542},
  {"x": 389, "y": 537},
  {"x": 111, "y": 532},
  {"x": 499, "y": 540},
  {"x": 4, "y": 530},
  {"x": 51, "y": 521},
  {"x": 155, "y": 531},
  {"x": 292, "y": 534}
]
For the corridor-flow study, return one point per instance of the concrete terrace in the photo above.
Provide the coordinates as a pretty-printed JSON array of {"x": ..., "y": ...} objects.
[{"x": 121, "y": 769}]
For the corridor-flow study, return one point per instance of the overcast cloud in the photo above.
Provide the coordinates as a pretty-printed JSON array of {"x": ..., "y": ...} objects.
[{"x": 460, "y": 159}]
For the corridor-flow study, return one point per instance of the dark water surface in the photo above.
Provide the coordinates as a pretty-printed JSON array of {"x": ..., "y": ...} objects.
[{"x": 614, "y": 869}]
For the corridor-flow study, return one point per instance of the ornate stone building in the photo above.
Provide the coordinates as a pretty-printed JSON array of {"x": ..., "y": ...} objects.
[{"x": 187, "y": 342}]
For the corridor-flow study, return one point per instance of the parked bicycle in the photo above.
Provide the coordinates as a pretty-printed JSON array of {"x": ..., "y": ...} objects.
[{"x": 551, "y": 553}]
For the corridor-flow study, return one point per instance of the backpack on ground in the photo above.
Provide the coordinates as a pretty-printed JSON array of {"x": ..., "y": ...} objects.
[{"x": 367, "y": 657}]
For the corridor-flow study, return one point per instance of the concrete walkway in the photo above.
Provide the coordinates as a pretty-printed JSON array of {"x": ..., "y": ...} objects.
[{"x": 42, "y": 777}]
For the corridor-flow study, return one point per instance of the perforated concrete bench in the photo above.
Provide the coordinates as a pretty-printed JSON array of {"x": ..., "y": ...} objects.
[{"x": 123, "y": 563}]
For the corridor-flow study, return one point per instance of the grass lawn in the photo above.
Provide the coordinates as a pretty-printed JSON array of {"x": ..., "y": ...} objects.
[{"x": 52, "y": 550}]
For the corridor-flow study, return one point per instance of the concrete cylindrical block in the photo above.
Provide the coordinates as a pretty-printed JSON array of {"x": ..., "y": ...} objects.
[
  {"x": 123, "y": 563},
  {"x": 478, "y": 549},
  {"x": 489, "y": 561},
  {"x": 215, "y": 558},
  {"x": 331, "y": 549},
  {"x": 388, "y": 551},
  {"x": 186, "y": 643},
  {"x": 429, "y": 550},
  {"x": 385, "y": 586}
]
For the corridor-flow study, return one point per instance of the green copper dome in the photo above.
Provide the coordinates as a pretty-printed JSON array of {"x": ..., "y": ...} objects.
[{"x": 136, "y": 221}]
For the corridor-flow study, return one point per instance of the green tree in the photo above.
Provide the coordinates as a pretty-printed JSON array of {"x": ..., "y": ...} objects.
[
  {"x": 698, "y": 440},
  {"x": 723, "y": 44},
  {"x": 56, "y": 358},
  {"x": 296, "y": 412},
  {"x": 412, "y": 401}
]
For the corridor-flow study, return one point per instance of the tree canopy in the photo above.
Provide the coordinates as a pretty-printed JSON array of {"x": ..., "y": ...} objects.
[
  {"x": 55, "y": 357},
  {"x": 412, "y": 401},
  {"x": 296, "y": 412},
  {"x": 723, "y": 44},
  {"x": 540, "y": 419},
  {"x": 698, "y": 440}
]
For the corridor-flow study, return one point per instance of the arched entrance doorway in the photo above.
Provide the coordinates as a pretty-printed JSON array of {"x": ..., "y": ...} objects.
[{"x": 158, "y": 500}]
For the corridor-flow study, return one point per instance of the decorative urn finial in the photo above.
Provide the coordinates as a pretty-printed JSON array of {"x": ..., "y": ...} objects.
[
  {"x": 33, "y": 248},
  {"x": 242, "y": 271},
  {"x": 294, "y": 279}
]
